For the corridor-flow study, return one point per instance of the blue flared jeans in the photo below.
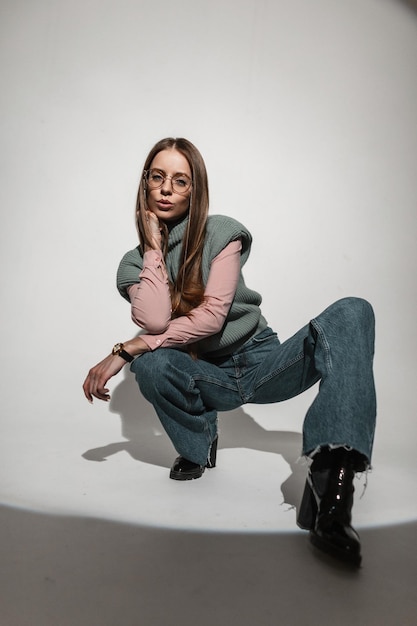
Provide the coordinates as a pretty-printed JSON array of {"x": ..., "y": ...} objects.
[{"x": 335, "y": 349}]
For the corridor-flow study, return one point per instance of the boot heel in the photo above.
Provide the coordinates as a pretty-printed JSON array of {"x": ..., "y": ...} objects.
[
  {"x": 307, "y": 513},
  {"x": 212, "y": 454}
]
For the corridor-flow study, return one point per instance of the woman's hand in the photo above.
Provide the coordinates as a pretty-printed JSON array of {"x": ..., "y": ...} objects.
[
  {"x": 97, "y": 377},
  {"x": 155, "y": 230},
  {"x": 94, "y": 384}
]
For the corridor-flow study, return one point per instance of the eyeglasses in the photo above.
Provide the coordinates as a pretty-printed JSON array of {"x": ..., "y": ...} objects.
[{"x": 180, "y": 183}]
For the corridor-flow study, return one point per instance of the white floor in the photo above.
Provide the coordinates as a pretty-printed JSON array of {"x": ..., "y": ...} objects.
[{"x": 95, "y": 534}]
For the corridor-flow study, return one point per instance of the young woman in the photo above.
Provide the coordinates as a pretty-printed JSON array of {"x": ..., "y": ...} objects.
[{"x": 206, "y": 346}]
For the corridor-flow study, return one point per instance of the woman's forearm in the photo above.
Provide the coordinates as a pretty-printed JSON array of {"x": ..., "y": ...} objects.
[
  {"x": 135, "y": 347},
  {"x": 150, "y": 298}
]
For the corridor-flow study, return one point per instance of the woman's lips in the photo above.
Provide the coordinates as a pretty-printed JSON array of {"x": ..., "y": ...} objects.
[{"x": 164, "y": 204}]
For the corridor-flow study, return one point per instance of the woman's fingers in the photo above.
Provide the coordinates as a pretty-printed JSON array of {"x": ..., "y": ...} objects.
[{"x": 95, "y": 384}]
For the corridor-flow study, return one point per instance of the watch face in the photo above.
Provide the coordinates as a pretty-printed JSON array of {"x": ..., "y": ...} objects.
[{"x": 116, "y": 348}]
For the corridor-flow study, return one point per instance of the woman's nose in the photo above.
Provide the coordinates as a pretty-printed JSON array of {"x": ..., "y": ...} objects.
[{"x": 166, "y": 186}]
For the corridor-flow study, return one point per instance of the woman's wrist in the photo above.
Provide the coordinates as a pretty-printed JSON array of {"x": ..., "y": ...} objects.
[
  {"x": 136, "y": 346},
  {"x": 156, "y": 247}
]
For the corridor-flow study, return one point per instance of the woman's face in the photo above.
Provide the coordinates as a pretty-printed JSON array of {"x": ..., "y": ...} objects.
[{"x": 167, "y": 204}]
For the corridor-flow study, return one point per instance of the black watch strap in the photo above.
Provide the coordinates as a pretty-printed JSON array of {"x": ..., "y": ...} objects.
[
  {"x": 118, "y": 349},
  {"x": 126, "y": 356}
]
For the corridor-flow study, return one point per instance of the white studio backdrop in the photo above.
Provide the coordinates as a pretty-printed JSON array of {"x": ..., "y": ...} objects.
[{"x": 305, "y": 114}]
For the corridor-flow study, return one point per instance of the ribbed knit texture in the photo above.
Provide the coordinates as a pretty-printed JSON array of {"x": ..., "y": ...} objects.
[{"x": 244, "y": 318}]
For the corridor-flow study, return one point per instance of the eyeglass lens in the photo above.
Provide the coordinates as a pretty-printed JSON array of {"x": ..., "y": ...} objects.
[{"x": 156, "y": 178}]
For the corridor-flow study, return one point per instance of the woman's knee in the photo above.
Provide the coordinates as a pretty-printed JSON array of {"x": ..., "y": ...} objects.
[
  {"x": 353, "y": 310},
  {"x": 149, "y": 361},
  {"x": 147, "y": 370},
  {"x": 152, "y": 369}
]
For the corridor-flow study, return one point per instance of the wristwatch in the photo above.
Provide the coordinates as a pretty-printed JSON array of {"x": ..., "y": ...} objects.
[{"x": 118, "y": 349}]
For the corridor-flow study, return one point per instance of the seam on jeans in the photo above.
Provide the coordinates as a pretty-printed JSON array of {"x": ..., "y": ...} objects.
[
  {"x": 287, "y": 365},
  {"x": 212, "y": 381},
  {"x": 242, "y": 393},
  {"x": 325, "y": 343}
]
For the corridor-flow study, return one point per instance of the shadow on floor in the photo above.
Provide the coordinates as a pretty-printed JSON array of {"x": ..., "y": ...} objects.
[
  {"x": 63, "y": 571},
  {"x": 145, "y": 441}
]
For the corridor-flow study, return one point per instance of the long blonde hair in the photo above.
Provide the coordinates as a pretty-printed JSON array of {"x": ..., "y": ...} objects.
[{"x": 187, "y": 290}]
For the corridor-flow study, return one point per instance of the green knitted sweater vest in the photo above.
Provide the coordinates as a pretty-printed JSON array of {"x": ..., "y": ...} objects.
[{"x": 245, "y": 318}]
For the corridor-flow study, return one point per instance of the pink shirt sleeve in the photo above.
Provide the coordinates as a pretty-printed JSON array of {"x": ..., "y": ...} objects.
[
  {"x": 150, "y": 298},
  {"x": 205, "y": 320}
]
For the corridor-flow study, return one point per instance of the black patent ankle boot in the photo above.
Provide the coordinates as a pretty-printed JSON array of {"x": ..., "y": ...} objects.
[
  {"x": 326, "y": 507},
  {"x": 183, "y": 469}
]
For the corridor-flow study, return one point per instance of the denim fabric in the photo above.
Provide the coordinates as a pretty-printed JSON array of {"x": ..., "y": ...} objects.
[{"x": 335, "y": 348}]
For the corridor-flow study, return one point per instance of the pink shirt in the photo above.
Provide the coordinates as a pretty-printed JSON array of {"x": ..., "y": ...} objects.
[{"x": 151, "y": 301}]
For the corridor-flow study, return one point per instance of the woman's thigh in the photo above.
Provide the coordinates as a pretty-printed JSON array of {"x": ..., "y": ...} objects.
[
  {"x": 287, "y": 370},
  {"x": 215, "y": 385}
]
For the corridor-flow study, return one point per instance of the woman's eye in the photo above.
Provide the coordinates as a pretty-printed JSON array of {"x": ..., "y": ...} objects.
[
  {"x": 156, "y": 178},
  {"x": 181, "y": 182}
]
